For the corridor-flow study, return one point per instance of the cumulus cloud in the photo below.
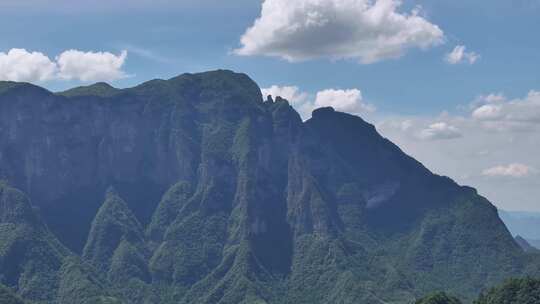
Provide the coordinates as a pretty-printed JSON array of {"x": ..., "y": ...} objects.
[
  {"x": 350, "y": 100},
  {"x": 511, "y": 170},
  {"x": 517, "y": 114},
  {"x": 91, "y": 66},
  {"x": 22, "y": 65},
  {"x": 505, "y": 130},
  {"x": 492, "y": 112},
  {"x": 439, "y": 131},
  {"x": 487, "y": 112},
  {"x": 460, "y": 55},
  {"x": 365, "y": 30}
]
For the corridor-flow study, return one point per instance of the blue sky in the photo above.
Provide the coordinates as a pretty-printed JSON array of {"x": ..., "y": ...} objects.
[
  {"x": 199, "y": 35},
  {"x": 417, "y": 98}
]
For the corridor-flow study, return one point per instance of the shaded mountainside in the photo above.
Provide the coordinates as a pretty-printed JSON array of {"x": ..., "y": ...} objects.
[
  {"x": 195, "y": 190},
  {"x": 35, "y": 263},
  {"x": 524, "y": 224}
]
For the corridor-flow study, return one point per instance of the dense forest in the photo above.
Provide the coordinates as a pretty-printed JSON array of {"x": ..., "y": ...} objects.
[{"x": 197, "y": 190}]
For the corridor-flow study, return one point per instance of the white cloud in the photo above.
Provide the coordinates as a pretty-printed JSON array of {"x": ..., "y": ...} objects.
[
  {"x": 349, "y": 100},
  {"x": 146, "y": 53},
  {"x": 491, "y": 137},
  {"x": 504, "y": 115},
  {"x": 91, "y": 66},
  {"x": 439, "y": 131},
  {"x": 460, "y": 55},
  {"x": 511, "y": 170},
  {"x": 365, "y": 30},
  {"x": 493, "y": 98},
  {"x": 487, "y": 112},
  {"x": 22, "y": 65}
]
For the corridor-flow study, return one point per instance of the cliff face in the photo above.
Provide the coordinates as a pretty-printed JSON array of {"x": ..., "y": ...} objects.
[
  {"x": 65, "y": 152},
  {"x": 221, "y": 197}
]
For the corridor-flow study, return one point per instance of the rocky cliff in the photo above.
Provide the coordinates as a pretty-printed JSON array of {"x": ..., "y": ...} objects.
[{"x": 196, "y": 190}]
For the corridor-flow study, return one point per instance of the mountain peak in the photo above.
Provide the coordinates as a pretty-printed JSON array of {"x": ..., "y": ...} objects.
[
  {"x": 24, "y": 87},
  {"x": 222, "y": 81},
  {"x": 15, "y": 206},
  {"x": 113, "y": 224},
  {"x": 111, "y": 193},
  {"x": 100, "y": 89},
  {"x": 322, "y": 111}
]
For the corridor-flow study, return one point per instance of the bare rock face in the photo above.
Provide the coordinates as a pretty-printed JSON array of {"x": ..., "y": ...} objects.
[{"x": 221, "y": 197}]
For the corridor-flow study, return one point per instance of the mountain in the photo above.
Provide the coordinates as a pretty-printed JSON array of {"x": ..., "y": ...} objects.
[
  {"x": 35, "y": 263},
  {"x": 524, "y": 244},
  {"x": 30, "y": 256},
  {"x": 116, "y": 246},
  {"x": 196, "y": 190}
]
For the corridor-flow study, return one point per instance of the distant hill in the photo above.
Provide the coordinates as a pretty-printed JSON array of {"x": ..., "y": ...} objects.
[
  {"x": 525, "y": 224},
  {"x": 525, "y": 245}
]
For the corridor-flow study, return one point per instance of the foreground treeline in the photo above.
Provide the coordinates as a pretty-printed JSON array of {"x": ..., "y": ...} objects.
[{"x": 515, "y": 291}]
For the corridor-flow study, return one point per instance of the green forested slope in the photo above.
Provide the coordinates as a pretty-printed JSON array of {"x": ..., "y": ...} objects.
[
  {"x": 195, "y": 190},
  {"x": 36, "y": 263}
]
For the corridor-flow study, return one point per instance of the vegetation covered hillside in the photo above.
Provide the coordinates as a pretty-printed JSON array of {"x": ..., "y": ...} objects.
[{"x": 196, "y": 190}]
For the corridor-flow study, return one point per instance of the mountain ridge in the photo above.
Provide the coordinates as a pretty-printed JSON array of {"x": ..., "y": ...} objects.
[{"x": 221, "y": 197}]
